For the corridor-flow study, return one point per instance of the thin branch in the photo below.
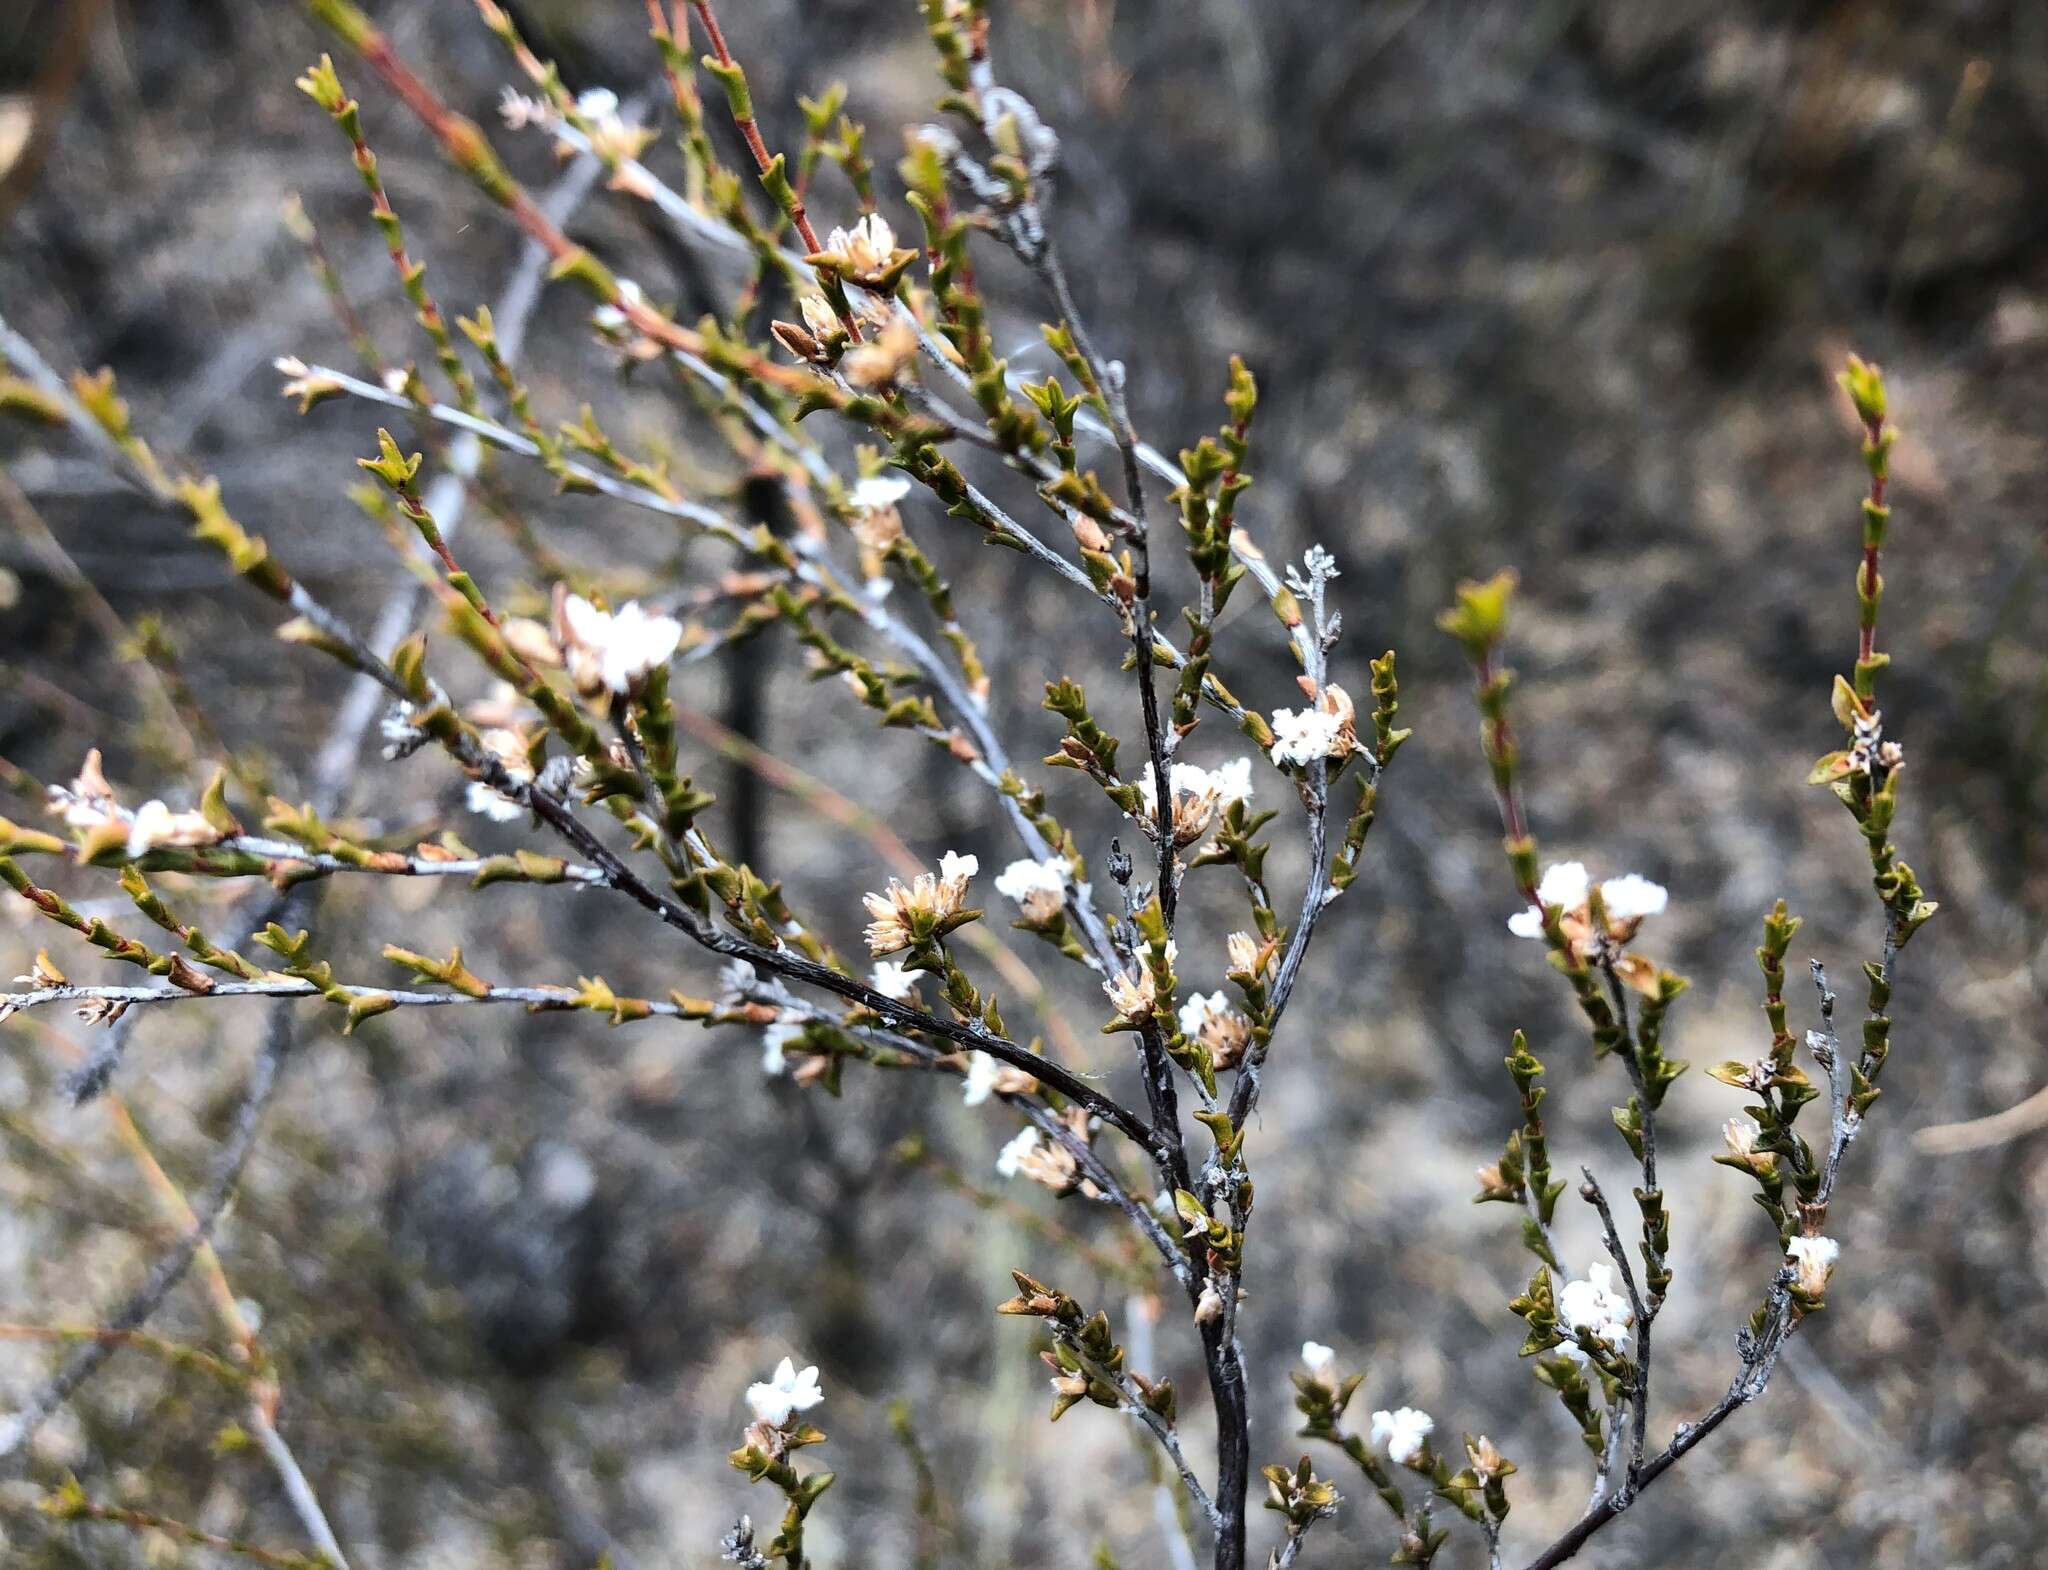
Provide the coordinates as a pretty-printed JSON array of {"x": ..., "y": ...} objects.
[
  {"x": 1639, "y": 1391},
  {"x": 1166, "y": 1509},
  {"x": 273, "y": 858},
  {"x": 1760, "y": 1355},
  {"x": 1161, "y": 1429},
  {"x": 17, "y": 1429},
  {"x": 969, "y": 713},
  {"x": 304, "y": 1501},
  {"x": 533, "y": 998},
  {"x": 75, "y": 1507}
]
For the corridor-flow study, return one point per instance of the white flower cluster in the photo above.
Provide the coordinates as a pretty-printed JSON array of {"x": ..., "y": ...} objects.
[
  {"x": 1132, "y": 993},
  {"x": 1300, "y": 736},
  {"x": 88, "y": 803},
  {"x": 519, "y": 111},
  {"x": 1219, "y": 787},
  {"x": 1593, "y": 1306},
  {"x": 1198, "y": 795},
  {"x": 1216, "y": 1025},
  {"x": 1041, "y": 1158},
  {"x": 1567, "y": 886},
  {"x": 901, "y": 910},
  {"x": 401, "y": 737},
  {"x": 1327, "y": 728}
]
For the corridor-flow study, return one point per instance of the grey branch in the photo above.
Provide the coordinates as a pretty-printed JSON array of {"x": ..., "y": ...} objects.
[{"x": 169, "y": 1270}]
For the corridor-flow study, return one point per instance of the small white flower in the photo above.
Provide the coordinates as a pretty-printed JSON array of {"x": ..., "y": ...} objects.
[
  {"x": 89, "y": 803},
  {"x": 518, "y": 111},
  {"x": 1814, "y": 1258},
  {"x": 880, "y": 490},
  {"x": 1403, "y": 1433},
  {"x": 1197, "y": 1011},
  {"x": 152, "y": 821},
  {"x": 774, "y": 1038},
  {"x": 508, "y": 747},
  {"x": 1013, "y": 1154},
  {"x": 1632, "y": 896},
  {"x": 1219, "y": 787},
  {"x": 486, "y": 802},
  {"x": 1592, "y": 1305},
  {"x": 982, "y": 1073},
  {"x": 400, "y": 735},
  {"x": 901, "y": 913},
  {"x": 784, "y": 1393},
  {"x": 1232, "y": 782},
  {"x": 892, "y": 980},
  {"x": 1815, "y": 1250},
  {"x": 1247, "y": 955},
  {"x": 1741, "y": 1132},
  {"x": 1198, "y": 795},
  {"x": 867, "y": 248},
  {"x": 1564, "y": 884},
  {"x": 1132, "y": 993},
  {"x": 1317, "y": 1357},
  {"x": 616, "y": 648},
  {"x": 597, "y": 103},
  {"x": 1022, "y": 879},
  {"x": 396, "y": 380},
  {"x": 1626, "y": 899},
  {"x": 957, "y": 868},
  {"x": 1301, "y": 736},
  {"x": 823, "y": 322},
  {"x": 611, "y": 318}
]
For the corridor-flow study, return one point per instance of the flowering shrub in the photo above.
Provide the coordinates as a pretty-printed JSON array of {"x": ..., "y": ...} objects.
[{"x": 577, "y": 740}]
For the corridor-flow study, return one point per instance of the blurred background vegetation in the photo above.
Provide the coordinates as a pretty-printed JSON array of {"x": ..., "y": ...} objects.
[{"x": 1551, "y": 283}]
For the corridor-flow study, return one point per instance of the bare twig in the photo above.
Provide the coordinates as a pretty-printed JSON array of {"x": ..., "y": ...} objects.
[{"x": 21, "y": 1426}]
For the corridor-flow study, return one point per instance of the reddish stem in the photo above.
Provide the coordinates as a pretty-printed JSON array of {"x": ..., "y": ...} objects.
[
  {"x": 1867, "y": 637},
  {"x": 748, "y": 128},
  {"x": 751, "y": 131},
  {"x": 1501, "y": 739},
  {"x": 465, "y": 144}
]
